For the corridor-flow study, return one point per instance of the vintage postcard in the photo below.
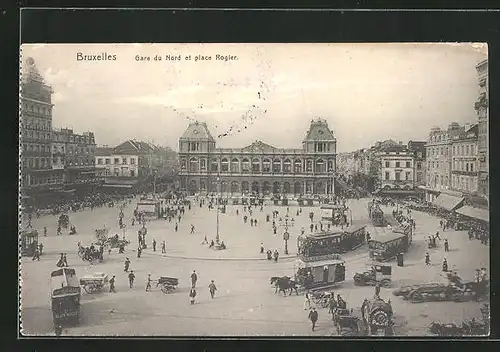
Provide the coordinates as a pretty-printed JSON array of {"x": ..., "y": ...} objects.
[{"x": 254, "y": 190}]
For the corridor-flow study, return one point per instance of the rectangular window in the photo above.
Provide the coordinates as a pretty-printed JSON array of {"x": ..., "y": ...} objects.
[
  {"x": 397, "y": 164},
  {"x": 117, "y": 161},
  {"x": 387, "y": 164},
  {"x": 99, "y": 161},
  {"x": 472, "y": 167},
  {"x": 386, "y": 176},
  {"x": 117, "y": 171},
  {"x": 124, "y": 161},
  {"x": 408, "y": 164},
  {"x": 408, "y": 175},
  {"x": 108, "y": 161},
  {"x": 132, "y": 161},
  {"x": 398, "y": 176}
]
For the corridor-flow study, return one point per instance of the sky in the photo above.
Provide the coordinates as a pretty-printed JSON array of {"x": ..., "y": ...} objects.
[{"x": 268, "y": 92}]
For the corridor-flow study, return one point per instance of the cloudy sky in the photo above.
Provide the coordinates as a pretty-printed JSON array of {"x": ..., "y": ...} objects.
[{"x": 367, "y": 92}]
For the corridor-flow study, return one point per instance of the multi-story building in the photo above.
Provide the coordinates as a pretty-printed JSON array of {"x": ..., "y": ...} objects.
[
  {"x": 438, "y": 158},
  {"x": 397, "y": 168},
  {"x": 258, "y": 168},
  {"x": 36, "y": 106},
  {"x": 418, "y": 150},
  {"x": 130, "y": 162},
  {"x": 482, "y": 110},
  {"x": 76, "y": 152},
  {"x": 464, "y": 154},
  {"x": 346, "y": 163}
]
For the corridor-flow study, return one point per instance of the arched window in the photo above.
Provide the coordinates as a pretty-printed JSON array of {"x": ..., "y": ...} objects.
[
  {"x": 276, "y": 165},
  {"x": 255, "y": 165},
  {"x": 234, "y": 187},
  {"x": 244, "y": 186},
  {"x": 297, "y": 166},
  {"x": 287, "y": 167},
  {"x": 266, "y": 165},
  {"x": 224, "y": 165},
  {"x": 245, "y": 165},
  {"x": 214, "y": 166},
  {"x": 331, "y": 167},
  {"x": 235, "y": 166},
  {"x": 193, "y": 165}
]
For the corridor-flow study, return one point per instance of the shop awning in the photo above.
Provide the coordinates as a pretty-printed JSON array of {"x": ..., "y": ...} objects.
[
  {"x": 476, "y": 213},
  {"x": 448, "y": 202}
]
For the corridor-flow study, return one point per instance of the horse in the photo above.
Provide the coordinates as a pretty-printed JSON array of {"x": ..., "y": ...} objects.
[{"x": 282, "y": 284}]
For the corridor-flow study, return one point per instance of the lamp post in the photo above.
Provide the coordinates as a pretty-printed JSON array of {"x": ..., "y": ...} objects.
[
  {"x": 333, "y": 183},
  {"x": 154, "y": 183},
  {"x": 287, "y": 222},
  {"x": 217, "y": 239}
]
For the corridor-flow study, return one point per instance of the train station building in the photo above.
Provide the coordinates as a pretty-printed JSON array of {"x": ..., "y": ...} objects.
[{"x": 258, "y": 168}]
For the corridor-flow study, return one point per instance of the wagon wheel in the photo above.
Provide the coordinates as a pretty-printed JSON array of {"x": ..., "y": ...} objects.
[
  {"x": 89, "y": 288},
  {"x": 164, "y": 289}
]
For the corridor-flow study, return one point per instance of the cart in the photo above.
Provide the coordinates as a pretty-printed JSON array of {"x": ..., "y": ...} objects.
[
  {"x": 94, "y": 283},
  {"x": 167, "y": 284}
]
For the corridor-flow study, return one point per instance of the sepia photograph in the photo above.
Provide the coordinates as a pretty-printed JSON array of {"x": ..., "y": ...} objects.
[{"x": 293, "y": 190}]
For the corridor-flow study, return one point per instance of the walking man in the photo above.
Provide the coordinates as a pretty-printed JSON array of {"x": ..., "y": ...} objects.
[
  {"x": 313, "y": 316},
  {"x": 131, "y": 278},
  {"x": 154, "y": 245},
  {"x": 148, "y": 283},
  {"x": 212, "y": 289},
  {"x": 163, "y": 247},
  {"x": 192, "y": 295},
  {"x": 446, "y": 245},
  {"x": 192, "y": 228},
  {"x": 112, "y": 284},
  {"x": 45, "y": 231},
  {"x": 437, "y": 236},
  {"x": 127, "y": 264},
  {"x": 176, "y": 227},
  {"x": 36, "y": 255},
  {"x": 194, "y": 278},
  {"x": 261, "y": 247},
  {"x": 427, "y": 259}
]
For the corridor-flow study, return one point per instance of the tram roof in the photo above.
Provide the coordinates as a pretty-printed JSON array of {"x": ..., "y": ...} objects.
[
  {"x": 334, "y": 231},
  {"x": 314, "y": 264},
  {"x": 333, "y": 206},
  {"x": 386, "y": 237}
]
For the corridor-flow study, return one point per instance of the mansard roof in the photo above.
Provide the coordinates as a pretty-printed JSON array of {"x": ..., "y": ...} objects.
[
  {"x": 319, "y": 131},
  {"x": 197, "y": 131},
  {"x": 259, "y": 147}
]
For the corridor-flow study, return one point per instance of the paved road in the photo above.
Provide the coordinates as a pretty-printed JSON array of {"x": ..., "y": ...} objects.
[{"x": 245, "y": 303}]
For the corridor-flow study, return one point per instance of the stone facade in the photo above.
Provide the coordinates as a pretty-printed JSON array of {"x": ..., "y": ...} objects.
[
  {"x": 465, "y": 161},
  {"x": 258, "y": 168},
  {"x": 482, "y": 110}
]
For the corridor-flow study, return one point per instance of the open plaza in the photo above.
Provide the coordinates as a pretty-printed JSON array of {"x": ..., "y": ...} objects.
[{"x": 245, "y": 303}]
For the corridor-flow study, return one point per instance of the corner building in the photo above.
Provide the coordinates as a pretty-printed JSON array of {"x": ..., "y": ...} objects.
[{"x": 258, "y": 168}]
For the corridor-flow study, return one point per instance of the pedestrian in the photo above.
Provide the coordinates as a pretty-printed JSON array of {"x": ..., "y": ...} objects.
[
  {"x": 126, "y": 264},
  {"x": 148, "y": 283},
  {"x": 427, "y": 259},
  {"x": 131, "y": 278},
  {"x": 332, "y": 304},
  {"x": 194, "y": 278},
  {"x": 40, "y": 246},
  {"x": 313, "y": 316},
  {"x": 163, "y": 247},
  {"x": 445, "y": 265},
  {"x": 262, "y": 247},
  {"x": 65, "y": 261},
  {"x": 311, "y": 227},
  {"x": 45, "y": 231},
  {"x": 176, "y": 227},
  {"x": 307, "y": 301},
  {"x": 36, "y": 255},
  {"x": 154, "y": 245},
  {"x": 437, "y": 236},
  {"x": 112, "y": 284},
  {"x": 212, "y": 289},
  {"x": 205, "y": 241},
  {"x": 276, "y": 255},
  {"x": 192, "y": 228},
  {"x": 192, "y": 295},
  {"x": 446, "y": 245}
]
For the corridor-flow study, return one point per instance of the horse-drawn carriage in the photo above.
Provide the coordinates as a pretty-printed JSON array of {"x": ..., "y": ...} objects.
[
  {"x": 63, "y": 221},
  {"x": 348, "y": 324},
  {"x": 102, "y": 236},
  {"x": 94, "y": 283},
  {"x": 375, "y": 275},
  {"x": 320, "y": 274},
  {"x": 377, "y": 316},
  {"x": 167, "y": 284}
]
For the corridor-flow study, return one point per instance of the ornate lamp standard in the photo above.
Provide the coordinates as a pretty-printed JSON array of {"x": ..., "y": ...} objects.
[{"x": 287, "y": 222}]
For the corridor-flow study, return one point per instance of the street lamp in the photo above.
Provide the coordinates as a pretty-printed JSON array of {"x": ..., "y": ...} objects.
[
  {"x": 332, "y": 172},
  {"x": 218, "y": 205},
  {"x": 287, "y": 222}
]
